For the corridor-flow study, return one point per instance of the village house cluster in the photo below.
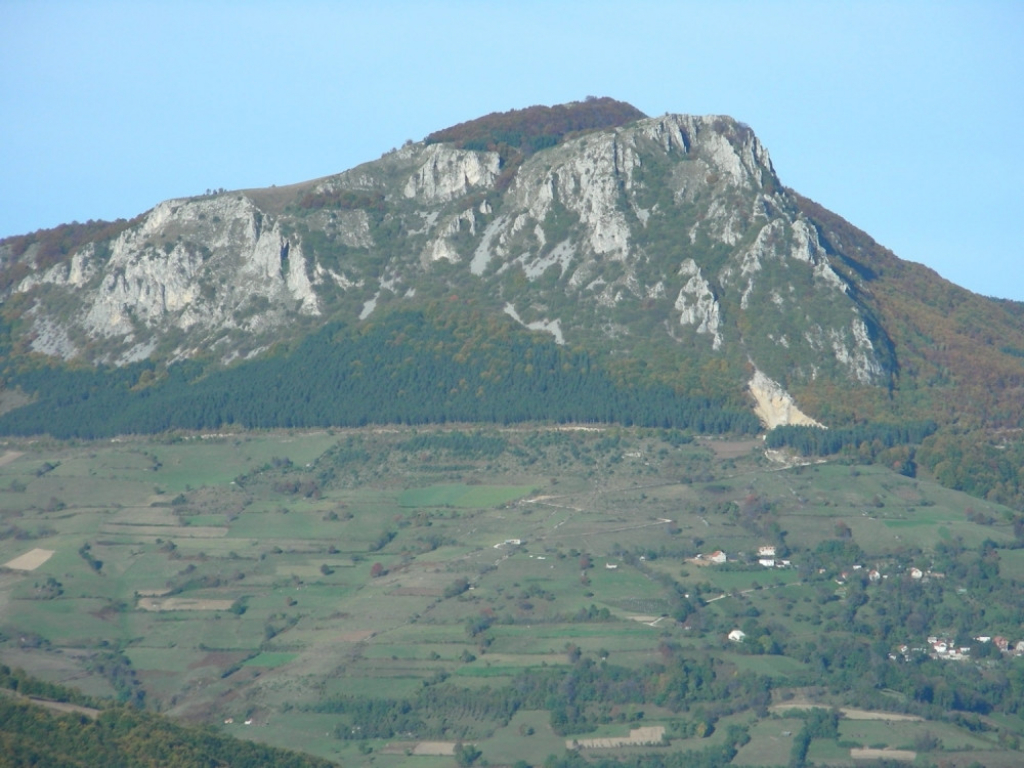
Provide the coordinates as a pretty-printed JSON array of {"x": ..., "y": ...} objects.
[
  {"x": 765, "y": 557},
  {"x": 874, "y": 575},
  {"x": 940, "y": 647}
]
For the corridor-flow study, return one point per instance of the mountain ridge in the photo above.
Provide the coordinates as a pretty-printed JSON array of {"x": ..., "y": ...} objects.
[{"x": 665, "y": 246}]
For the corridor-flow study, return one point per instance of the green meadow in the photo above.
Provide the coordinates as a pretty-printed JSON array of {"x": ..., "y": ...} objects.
[{"x": 270, "y": 575}]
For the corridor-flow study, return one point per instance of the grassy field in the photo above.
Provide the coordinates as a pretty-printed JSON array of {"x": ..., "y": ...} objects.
[
  {"x": 301, "y": 574},
  {"x": 464, "y": 496},
  {"x": 771, "y": 742}
]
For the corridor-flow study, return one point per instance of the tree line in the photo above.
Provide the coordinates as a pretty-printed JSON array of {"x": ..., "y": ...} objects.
[{"x": 815, "y": 441}]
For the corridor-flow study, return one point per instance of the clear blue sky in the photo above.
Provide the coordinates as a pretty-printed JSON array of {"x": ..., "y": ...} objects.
[{"x": 906, "y": 118}]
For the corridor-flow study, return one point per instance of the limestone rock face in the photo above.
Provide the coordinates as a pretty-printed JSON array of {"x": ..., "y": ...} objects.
[
  {"x": 448, "y": 173},
  {"x": 697, "y": 305},
  {"x": 671, "y": 231},
  {"x": 200, "y": 266}
]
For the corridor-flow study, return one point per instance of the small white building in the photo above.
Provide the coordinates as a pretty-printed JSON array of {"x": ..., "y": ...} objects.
[
  {"x": 737, "y": 635},
  {"x": 767, "y": 562},
  {"x": 718, "y": 557},
  {"x": 766, "y": 551}
]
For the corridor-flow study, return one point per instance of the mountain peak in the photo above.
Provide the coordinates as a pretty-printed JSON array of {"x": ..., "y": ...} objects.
[{"x": 537, "y": 127}]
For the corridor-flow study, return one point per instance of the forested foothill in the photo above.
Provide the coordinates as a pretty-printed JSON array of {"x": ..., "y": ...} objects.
[
  {"x": 409, "y": 368},
  {"x": 559, "y": 595},
  {"x": 37, "y": 728}
]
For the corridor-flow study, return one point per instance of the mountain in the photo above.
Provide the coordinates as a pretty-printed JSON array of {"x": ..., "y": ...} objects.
[{"x": 662, "y": 252}]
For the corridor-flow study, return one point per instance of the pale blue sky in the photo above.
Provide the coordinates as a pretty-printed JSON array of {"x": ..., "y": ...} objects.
[{"x": 906, "y": 118}]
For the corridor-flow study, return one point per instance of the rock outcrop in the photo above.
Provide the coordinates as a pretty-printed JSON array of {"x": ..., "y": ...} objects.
[{"x": 670, "y": 231}]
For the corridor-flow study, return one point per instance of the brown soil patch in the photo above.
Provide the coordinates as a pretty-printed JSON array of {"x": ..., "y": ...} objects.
[
  {"x": 848, "y": 712},
  {"x": 866, "y": 753},
  {"x": 183, "y": 604},
  {"x": 30, "y": 560},
  {"x": 863, "y": 714},
  {"x": 434, "y": 748},
  {"x": 9, "y": 456},
  {"x": 219, "y": 659},
  {"x": 638, "y": 737},
  {"x": 106, "y": 613},
  {"x": 397, "y": 748},
  {"x": 274, "y": 200},
  {"x": 431, "y": 748},
  {"x": 144, "y": 515}
]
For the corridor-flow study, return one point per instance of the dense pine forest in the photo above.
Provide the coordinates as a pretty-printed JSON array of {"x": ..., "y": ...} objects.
[{"x": 408, "y": 368}]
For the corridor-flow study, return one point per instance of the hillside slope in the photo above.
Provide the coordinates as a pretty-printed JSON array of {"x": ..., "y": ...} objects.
[{"x": 666, "y": 250}]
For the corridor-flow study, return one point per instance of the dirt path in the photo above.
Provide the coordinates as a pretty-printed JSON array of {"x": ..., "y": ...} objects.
[{"x": 867, "y": 753}]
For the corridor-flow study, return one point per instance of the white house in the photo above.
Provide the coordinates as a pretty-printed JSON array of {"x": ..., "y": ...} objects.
[
  {"x": 718, "y": 557},
  {"x": 766, "y": 551},
  {"x": 737, "y": 635}
]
